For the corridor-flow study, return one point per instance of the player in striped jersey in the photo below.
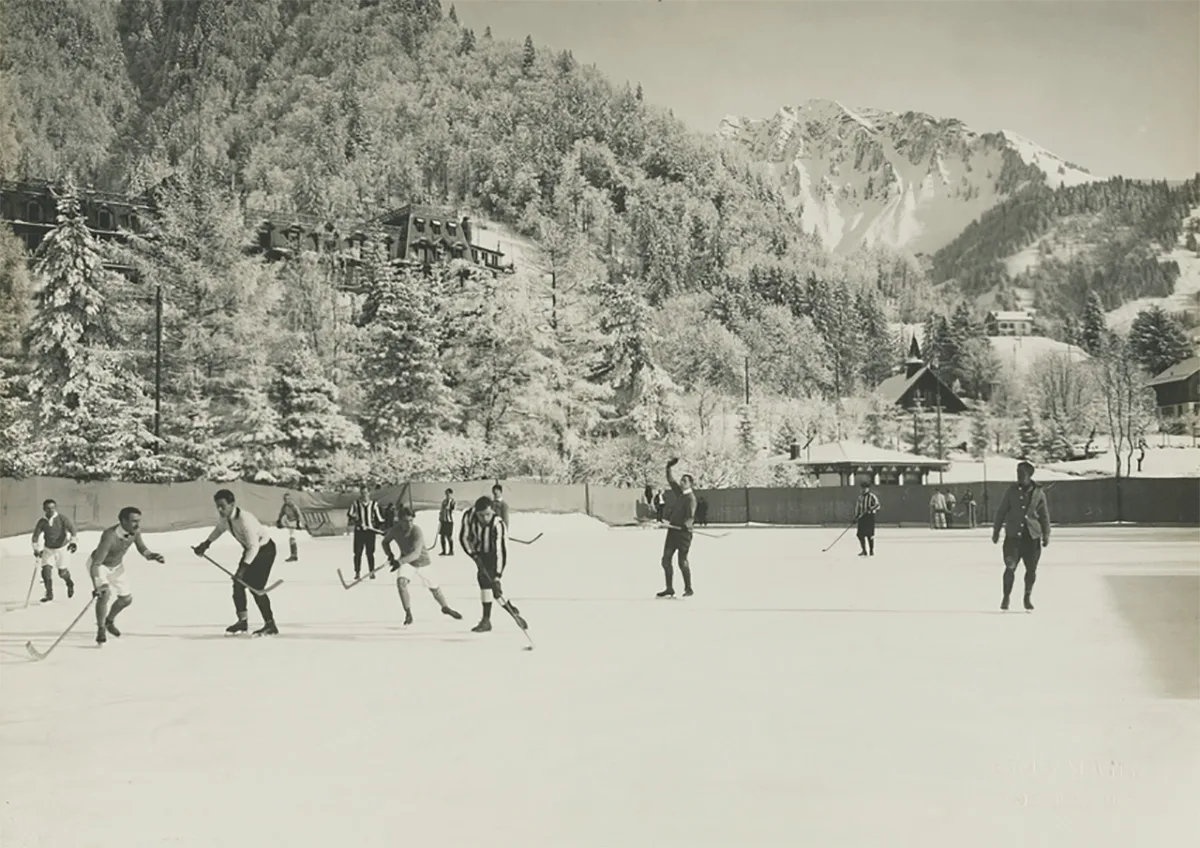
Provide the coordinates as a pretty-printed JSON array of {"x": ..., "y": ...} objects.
[
  {"x": 864, "y": 517},
  {"x": 56, "y": 531},
  {"x": 483, "y": 537},
  {"x": 254, "y": 567},
  {"x": 446, "y": 524},
  {"x": 107, "y": 569},
  {"x": 367, "y": 520}
]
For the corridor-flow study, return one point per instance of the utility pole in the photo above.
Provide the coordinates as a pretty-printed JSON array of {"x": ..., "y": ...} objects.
[
  {"x": 158, "y": 315},
  {"x": 747, "y": 370}
]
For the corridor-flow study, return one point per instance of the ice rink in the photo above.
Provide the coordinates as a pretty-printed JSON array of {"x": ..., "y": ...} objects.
[{"x": 799, "y": 699}]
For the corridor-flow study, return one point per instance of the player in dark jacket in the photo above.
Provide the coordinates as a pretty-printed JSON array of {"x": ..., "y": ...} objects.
[
  {"x": 1025, "y": 517},
  {"x": 679, "y": 517}
]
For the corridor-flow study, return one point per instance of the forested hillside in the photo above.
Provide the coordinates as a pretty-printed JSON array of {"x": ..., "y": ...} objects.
[
  {"x": 1107, "y": 237},
  {"x": 668, "y": 263}
]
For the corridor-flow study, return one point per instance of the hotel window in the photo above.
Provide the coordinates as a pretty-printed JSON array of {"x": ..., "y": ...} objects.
[
  {"x": 33, "y": 212},
  {"x": 419, "y": 223},
  {"x": 435, "y": 227},
  {"x": 104, "y": 219}
]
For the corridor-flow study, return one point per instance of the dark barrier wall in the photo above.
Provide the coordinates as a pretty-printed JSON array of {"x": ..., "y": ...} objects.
[
  {"x": 179, "y": 506},
  {"x": 1169, "y": 500}
]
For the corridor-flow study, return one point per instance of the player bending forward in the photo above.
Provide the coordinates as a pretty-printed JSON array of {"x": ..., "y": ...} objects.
[
  {"x": 1025, "y": 517},
  {"x": 483, "y": 539},
  {"x": 57, "y": 531},
  {"x": 414, "y": 563},
  {"x": 254, "y": 568},
  {"x": 107, "y": 569}
]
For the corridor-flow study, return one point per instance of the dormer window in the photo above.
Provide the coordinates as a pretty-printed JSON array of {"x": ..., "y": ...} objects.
[
  {"x": 419, "y": 223},
  {"x": 104, "y": 219},
  {"x": 451, "y": 227},
  {"x": 436, "y": 226}
]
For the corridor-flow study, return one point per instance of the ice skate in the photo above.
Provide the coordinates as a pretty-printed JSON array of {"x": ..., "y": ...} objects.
[
  {"x": 1004, "y": 603},
  {"x": 48, "y": 597},
  {"x": 484, "y": 626},
  {"x": 666, "y": 593},
  {"x": 453, "y": 613},
  {"x": 268, "y": 629},
  {"x": 70, "y": 589},
  {"x": 238, "y": 627},
  {"x": 687, "y": 593},
  {"x": 408, "y": 618},
  {"x": 1028, "y": 604},
  {"x": 112, "y": 628},
  {"x": 101, "y": 636}
]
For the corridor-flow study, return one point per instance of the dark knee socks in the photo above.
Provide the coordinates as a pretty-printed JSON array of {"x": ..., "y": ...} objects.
[
  {"x": 119, "y": 604},
  {"x": 264, "y": 607},
  {"x": 1010, "y": 577},
  {"x": 1030, "y": 579},
  {"x": 47, "y": 578},
  {"x": 686, "y": 571}
]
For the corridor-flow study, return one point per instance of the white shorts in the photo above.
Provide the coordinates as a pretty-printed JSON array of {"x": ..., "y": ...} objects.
[
  {"x": 426, "y": 574},
  {"x": 114, "y": 578},
  {"x": 56, "y": 557}
]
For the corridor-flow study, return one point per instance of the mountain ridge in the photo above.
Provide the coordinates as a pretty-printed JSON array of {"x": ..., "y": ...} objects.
[{"x": 915, "y": 181}]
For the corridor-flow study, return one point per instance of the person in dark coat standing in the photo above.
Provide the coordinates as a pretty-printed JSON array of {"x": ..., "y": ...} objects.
[
  {"x": 680, "y": 516},
  {"x": 864, "y": 518},
  {"x": 1025, "y": 516}
]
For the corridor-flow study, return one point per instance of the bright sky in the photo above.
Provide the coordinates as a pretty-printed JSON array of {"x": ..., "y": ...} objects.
[{"x": 1112, "y": 86}]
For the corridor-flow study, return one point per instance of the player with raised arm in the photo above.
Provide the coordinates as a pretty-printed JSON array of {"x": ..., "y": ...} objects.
[
  {"x": 413, "y": 564},
  {"x": 289, "y": 517},
  {"x": 254, "y": 567},
  {"x": 679, "y": 516},
  {"x": 1025, "y": 517},
  {"x": 57, "y": 532},
  {"x": 483, "y": 538},
  {"x": 107, "y": 569}
]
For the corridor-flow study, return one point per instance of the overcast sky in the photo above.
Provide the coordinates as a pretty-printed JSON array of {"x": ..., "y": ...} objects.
[{"x": 1112, "y": 86}]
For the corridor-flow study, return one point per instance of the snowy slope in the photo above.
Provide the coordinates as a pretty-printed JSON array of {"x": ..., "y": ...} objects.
[
  {"x": 1187, "y": 287},
  {"x": 870, "y": 176}
]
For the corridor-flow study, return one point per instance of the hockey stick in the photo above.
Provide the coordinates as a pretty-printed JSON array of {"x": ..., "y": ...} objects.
[
  {"x": 840, "y": 535},
  {"x": 259, "y": 592},
  {"x": 505, "y": 604},
  {"x": 39, "y": 655},
  {"x": 32, "y": 580},
  {"x": 524, "y": 541},
  {"x": 697, "y": 532},
  {"x": 356, "y": 580}
]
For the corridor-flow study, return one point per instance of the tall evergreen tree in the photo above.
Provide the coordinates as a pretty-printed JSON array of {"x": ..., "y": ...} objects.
[
  {"x": 528, "y": 56},
  {"x": 1158, "y": 341},
  {"x": 980, "y": 432},
  {"x": 310, "y": 418},
  {"x": 1094, "y": 329},
  {"x": 89, "y": 402},
  {"x": 405, "y": 397},
  {"x": 1027, "y": 434}
]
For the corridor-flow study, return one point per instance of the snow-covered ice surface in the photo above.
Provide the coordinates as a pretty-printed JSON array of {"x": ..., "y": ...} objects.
[{"x": 799, "y": 698}]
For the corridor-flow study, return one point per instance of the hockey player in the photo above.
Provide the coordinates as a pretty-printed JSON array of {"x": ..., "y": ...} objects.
[
  {"x": 1025, "y": 517},
  {"x": 366, "y": 519},
  {"x": 864, "y": 517},
  {"x": 254, "y": 567},
  {"x": 446, "y": 524},
  {"x": 679, "y": 516},
  {"x": 483, "y": 537},
  {"x": 289, "y": 517},
  {"x": 107, "y": 569},
  {"x": 413, "y": 564},
  {"x": 500, "y": 505},
  {"x": 57, "y": 531}
]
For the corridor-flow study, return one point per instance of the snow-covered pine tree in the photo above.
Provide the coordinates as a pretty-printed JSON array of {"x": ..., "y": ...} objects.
[
  {"x": 405, "y": 398},
  {"x": 89, "y": 403},
  {"x": 981, "y": 430},
  {"x": 916, "y": 431},
  {"x": 1157, "y": 340},
  {"x": 310, "y": 418},
  {"x": 1094, "y": 328},
  {"x": 1027, "y": 434},
  {"x": 1057, "y": 443}
]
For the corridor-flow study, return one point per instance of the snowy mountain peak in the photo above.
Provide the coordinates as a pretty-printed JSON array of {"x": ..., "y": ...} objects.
[{"x": 860, "y": 175}]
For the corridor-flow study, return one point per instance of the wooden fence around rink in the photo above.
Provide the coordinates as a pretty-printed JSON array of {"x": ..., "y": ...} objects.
[{"x": 1172, "y": 501}]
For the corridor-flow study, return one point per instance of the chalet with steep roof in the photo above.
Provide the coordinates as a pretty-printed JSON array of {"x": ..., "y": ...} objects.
[{"x": 919, "y": 385}]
